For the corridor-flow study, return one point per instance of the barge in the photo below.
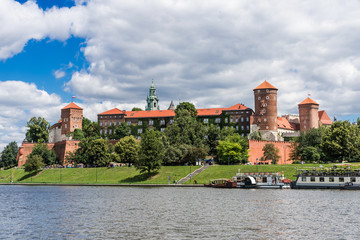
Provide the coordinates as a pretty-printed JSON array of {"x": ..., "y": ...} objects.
[{"x": 261, "y": 180}]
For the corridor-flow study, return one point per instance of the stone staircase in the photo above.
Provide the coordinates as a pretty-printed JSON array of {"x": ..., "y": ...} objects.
[{"x": 193, "y": 174}]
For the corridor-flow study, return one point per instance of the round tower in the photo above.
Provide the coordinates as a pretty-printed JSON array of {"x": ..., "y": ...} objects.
[
  {"x": 266, "y": 110},
  {"x": 309, "y": 114}
]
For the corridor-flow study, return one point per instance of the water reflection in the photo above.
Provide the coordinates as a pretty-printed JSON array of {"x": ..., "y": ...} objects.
[{"x": 46, "y": 212}]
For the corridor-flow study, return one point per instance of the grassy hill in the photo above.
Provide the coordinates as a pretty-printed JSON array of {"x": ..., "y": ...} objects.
[{"x": 129, "y": 175}]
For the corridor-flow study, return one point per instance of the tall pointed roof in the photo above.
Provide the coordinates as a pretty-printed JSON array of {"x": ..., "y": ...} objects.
[
  {"x": 265, "y": 85},
  {"x": 308, "y": 101},
  {"x": 172, "y": 106},
  {"x": 73, "y": 106}
]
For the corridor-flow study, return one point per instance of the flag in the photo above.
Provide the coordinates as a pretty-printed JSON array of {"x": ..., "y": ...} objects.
[{"x": 73, "y": 97}]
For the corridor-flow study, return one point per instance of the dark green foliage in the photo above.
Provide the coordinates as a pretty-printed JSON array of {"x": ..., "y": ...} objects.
[
  {"x": 90, "y": 129},
  {"x": 48, "y": 156},
  {"x": 127, "y": 149},
  {"x": 136, "y": 109},
  {"x": 310, "y": 154},
  {"x": 341, "y": 142},
  {"x": 8, "y": 155},
  {"x": 33, "y": 163},
  {"x": 188, "y": 107},
  {"x": 77, "y": 134},
  {"x": 172, "y": 156},
  {"x": 122, "y": 130},
  {"x": 192, "y": 154},
  {"x": 38, "y": 130},
  {"x": 232, "y": 150},
  {"x": 151, "y": 152},
  {"x": 93, "y": 152},
  {"x": 271, "y": 153},
  {"x": 256, "y": 135}
]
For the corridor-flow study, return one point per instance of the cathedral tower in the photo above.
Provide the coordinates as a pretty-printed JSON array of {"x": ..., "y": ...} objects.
[
  {"x": 152, "y": 100},
  {"x": 265, "y": 118},
  {"x": 309, "y": 114}
]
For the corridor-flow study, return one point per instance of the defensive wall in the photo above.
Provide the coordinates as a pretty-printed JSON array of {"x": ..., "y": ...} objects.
[{"x": 256, "y": 152}]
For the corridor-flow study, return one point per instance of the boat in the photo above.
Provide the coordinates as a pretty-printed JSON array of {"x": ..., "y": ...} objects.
[
  {"x": 327, "y": 178},
  {"x": 221, "y": 183},
  {"x": 261, "y": 180}
]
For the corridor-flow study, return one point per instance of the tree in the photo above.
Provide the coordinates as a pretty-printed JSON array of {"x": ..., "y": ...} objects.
[
  {"x": 127, "y": 149},
  {"x": 38, "y": 130},
  {"x": 90, "y": 129},
  {"x": 48, "y": 156},
  {"x": 188, "y": 107},
  {"x": 77, "y": 134},
  {"x": 341, "y": 141},
  {"x": 271, "y": 153},
  {"x": 93, "y": 151},
  {"x": 212, "y": 138},
  {"x": 232, "y": 150},
  {"x": 193, "y": 154},
  {"x": 33, "y": 163},
  {"x": 310, "y": 154},
  {"x": 136, "y": 109},
  {"x": 256, "y": 135},
  {"x": 8, "y": 155},
  {"x": 172, "y": 156},
  {"x": 122, "y": 130},
  {"x": 151, "y": 152}
]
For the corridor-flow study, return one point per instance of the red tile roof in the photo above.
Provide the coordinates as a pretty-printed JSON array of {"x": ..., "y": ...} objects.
[
  {"x": 237, "y": 107},
  {"x": 324, "y": 118},
  {"x": 72, "y": 105},
  {"x": 150, "y": 114},
  {"x": 113, "y": 112},
  {"x": 284, "y": 123},
  {"x": 265, "y": 85},
  {"x": 209, "y": 111},
  {"x": 308, "y": 101}
]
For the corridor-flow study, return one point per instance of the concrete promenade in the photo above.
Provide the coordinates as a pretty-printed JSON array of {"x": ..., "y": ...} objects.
[{"x": 103, "y": 185}]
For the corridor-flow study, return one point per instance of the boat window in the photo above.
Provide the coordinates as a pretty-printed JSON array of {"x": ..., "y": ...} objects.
[
  {"x": 352, "y": 179},
  {"x": 341, "y": 179},
  {"x": 303, "y": 179},
  {"x": 322, "y": 179},
  {"x": 312, "y": 179},
  {"x": 331, "y": 179},
  {"x": 264, "y": 179}
]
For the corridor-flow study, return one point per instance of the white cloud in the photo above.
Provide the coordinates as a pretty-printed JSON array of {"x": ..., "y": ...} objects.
[{"x": 59, "y": 74}]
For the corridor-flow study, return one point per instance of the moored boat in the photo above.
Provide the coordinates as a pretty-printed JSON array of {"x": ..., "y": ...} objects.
[
  {"x": 261, "y": 180},
  {"x": 221, "y": 183},
  {"x": 327, "y": 178}
]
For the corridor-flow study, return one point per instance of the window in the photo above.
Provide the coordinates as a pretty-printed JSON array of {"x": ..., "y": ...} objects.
[
  {"x": 110, "y": 131},
  {"x": 171, "y": 121},
  {"x": 140, "y": 130},
  {"x": 101, "y": 131},
  {"x": 265, "y": 105},
  {"x": 217, "y": 120},
  {"x": 139, "y": 138},
  {"x": 242, "y": 135},
  {"x": 259, "y": 98},
  {"x": 267, "y": 90},
  {"x": 331, "y": 179},
  {"x": 341, "y": 179},
  {"x": 242, "y": 119},
  {"x": 129, "y": 123},
  {"x": 140, "y": 123},
  {"x": 322, "y": 179},
  {"x": 226, "y": 120},
  {"x": 105, "y": 123},
  {"x": 101, "y": 124},
  {"x": 265, "y": 119},
  {"x": 237, "y": 128},
  {"x": 236, "y": 120},
  {"x": 231, "y": 120},
  {"x": 206, "y": 120},
  {"x": 312, "y": 179},
  {"x": 303, "y": 179},
  {"x": 76, "y": 126},
  {"x": 247, "y": 119},
  {"x": 115, "y": 123},
  {"x": 151, "y": 122},
  {"x": 267, "y": 97},
  {"x": 247, "y": 127},
  {"x": 242, "y": 127},
  {"x": 162, "y": 129},
  {"x": 105, "y": 131},
  {"x": 65, "y": 125},
  {"x": 352, "y": 179},
  {"x": 264, "y": 111},
  {"x": 162, "y": 122}
]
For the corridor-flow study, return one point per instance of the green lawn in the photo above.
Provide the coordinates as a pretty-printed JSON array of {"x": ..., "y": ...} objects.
[
  {"x": 122, "y": 175},
  {"x": 224, "y": 171}
]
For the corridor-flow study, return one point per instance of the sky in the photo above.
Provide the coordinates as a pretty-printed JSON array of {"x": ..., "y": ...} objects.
[{"x": 212, "y": 53}]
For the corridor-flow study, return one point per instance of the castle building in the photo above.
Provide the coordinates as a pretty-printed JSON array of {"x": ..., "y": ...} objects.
[{"x": 152, "y": 100}]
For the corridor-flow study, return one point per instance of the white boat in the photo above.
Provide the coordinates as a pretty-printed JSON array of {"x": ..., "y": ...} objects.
[
  {"x": 327, "y": 178},
  {"x": 261, "y": 180}
]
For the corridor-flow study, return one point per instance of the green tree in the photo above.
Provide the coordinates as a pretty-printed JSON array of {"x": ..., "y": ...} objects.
[
  {"x": 127, "y": 149},
  {"x": 172, "y": 156},
  {"x": 136, "y": 109},
  {"x": 90, "y": 129},
  {"x": 8, "y": 155},
  {"x": 151, "y": 152},
  {"x": 38, "y": 130},
  {"x": 48, "y": 156},
  {"x": 192, "y": 154},
  {"x": 271, "y": 153},
  {"x": 77, "y": 134},
  {"x": 93, "y": 152},
  {"x": 232, "y": 150},
  {"x": 341, "y": 142},
  {"x": 188, "y": 107},
  {"x": 212, "y": 138},
  {"x": 122, "y": 130},
  {"x": 310, "y": 154},
  {"x": 33, "y": 163}
]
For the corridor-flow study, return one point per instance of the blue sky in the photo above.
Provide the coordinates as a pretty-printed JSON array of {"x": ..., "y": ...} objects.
[{"x": 213, "y": 53}]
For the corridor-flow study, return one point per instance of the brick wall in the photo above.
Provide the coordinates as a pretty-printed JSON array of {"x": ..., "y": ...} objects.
[{"x": 256, "y": 152}]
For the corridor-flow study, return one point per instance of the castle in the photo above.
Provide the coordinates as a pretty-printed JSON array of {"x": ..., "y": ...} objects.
[{"x": 244, "y": 120}]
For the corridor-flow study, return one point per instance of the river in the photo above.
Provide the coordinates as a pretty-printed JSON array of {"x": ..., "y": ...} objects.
[{"x": 48, "y": 212}]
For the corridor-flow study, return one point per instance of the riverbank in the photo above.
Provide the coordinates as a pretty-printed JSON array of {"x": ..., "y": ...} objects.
[{"x": 129, "y": 176}]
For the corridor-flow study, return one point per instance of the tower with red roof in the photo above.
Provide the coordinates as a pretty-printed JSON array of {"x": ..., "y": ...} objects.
[
  {"x": 308, "y": 114},
  {"x": 265, "y": 117}
]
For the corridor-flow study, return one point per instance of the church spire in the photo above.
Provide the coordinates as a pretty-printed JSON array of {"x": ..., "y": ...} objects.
[{"x": 152, "y": 100}]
